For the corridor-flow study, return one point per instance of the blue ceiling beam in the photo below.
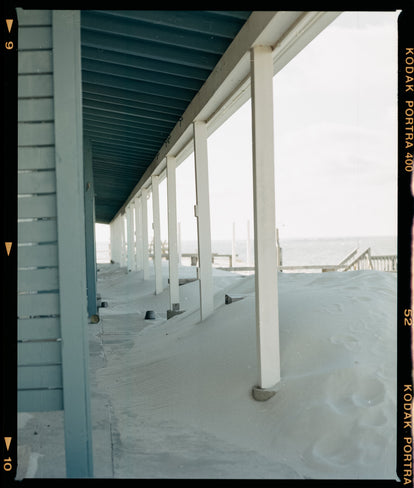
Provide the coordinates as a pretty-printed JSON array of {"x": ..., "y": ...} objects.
[
  {"x": 97, "y": 134},
  {"x": 107, "y": 160},
  {"x": 111, "y": 129},
  {"x": 136, "y": 105},
  {"x": 127, "y": 175},
  {"x": 193, "y": 20},
  {"x": 106, "y": 124},
  {"x": 144, "y": 63},
  {"x": 118, "y": 159},
  {"x": 144, "y": 129},
  {"x": 135, "y": 112},
  {"x": 139, "y": 86},
  {"x": 105, "y": 141},
  {"x": 148, "y": 49},
  {"x": 130, "y": 118},
  {"x": 231, "y": 14},
  {"x": 131, "y": 95},
  {"x": 164, "y": 35},
  {"x": 137, "y": 74}
]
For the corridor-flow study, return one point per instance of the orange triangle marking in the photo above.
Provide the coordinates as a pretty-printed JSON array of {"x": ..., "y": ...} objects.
[
  {"x": 9, "y": 23},
  {"x": 8, "y": 247},
  {"x": 7, "y": 440}
]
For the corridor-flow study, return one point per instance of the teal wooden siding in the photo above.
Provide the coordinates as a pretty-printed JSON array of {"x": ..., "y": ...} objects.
[{"x": 39, "y": 331}]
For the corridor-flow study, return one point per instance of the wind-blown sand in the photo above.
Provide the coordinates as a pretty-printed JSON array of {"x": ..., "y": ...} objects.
[
  {"x": 178, "y": 392},
  {"x": 172, "y": 399}
]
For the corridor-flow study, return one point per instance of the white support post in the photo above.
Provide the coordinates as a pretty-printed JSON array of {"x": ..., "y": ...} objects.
[
  {"x": 144, "y": 227},
  {"x": 233, "y": 246},
  {"x": 248, "y": 246},
  {"x": 267, "y": 307},
  {"x": 179, "y": 250},
  {"x": 138, "y": 234},
  {"x": 122, "y": 229},
  {"x": 118, "y": 238},
  {"x": 157, "y": 233},
  {"x": 172, "y": 234},
  {"x": 205, "y": 270},
  {"x": 279, "y": 250},
  {"x": 130, "y": 237},
  {"x": 112, "y": 253}
]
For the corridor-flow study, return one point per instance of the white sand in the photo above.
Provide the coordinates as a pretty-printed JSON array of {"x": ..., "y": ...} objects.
[{"x": 177, "y": 393}]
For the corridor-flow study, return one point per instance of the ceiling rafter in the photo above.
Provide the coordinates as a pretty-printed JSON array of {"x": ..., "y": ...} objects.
[{"x": 140, "y": 71}]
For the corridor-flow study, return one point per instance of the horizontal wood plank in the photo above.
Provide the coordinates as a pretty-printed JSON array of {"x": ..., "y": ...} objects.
[
  {"x": 35, "y": 133},
  {"x": 32, "y": 86},
  {"x": 39, "y": 400},
  {"x": 35, "y": 62},
  {"x": 32, "y": 353},
  {"x": 37, "y": 231},
  {"x": 42, "y": 255},
  {"x": 35, "y": 329},
  {"x": 35, "y": 37},
  {"x": 36, "y": 157},
  {"x": 36, "y": 206},
  {"x": 37, "y": 182},
  {"x": 39, "y": 377},
  {"x": 34, "y": 17},
  {"x": 38, "y": 280},
  {"x": 35, "y": 109},
  {"x": 39, "y": 304}
]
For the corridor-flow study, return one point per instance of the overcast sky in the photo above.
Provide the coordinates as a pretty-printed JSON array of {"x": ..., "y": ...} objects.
[{"x": 335, "y": 109}]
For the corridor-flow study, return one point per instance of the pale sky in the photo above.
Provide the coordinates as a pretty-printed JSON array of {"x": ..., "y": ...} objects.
[{"x": 335, "y": 109}]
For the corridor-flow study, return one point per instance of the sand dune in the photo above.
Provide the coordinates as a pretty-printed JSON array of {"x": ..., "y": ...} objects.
[{"x": 180, "y": 390}]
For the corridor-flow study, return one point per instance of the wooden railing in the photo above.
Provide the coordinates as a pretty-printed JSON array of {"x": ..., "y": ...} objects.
[
  {"x": 384, "y": 263},
  {"x": 363, "y": 261},
  {"x": 194, "y": 258}
]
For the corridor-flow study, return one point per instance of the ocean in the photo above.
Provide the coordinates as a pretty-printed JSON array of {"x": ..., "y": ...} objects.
[{"x": 295, "y": 252}]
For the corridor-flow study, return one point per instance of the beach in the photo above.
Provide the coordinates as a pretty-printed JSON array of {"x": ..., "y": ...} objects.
[{"x": 172, "y": 398}]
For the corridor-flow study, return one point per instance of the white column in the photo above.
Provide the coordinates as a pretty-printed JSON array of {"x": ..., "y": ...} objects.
[
  {"x": 121, "y": 226},
  {"x": 122, "y": 229},
  {"x": 248, "y": 247},
  {"x": 144, "y": 227},
  {"x": 138, "y": 234},
  {"x": 267, "y": 308},
  {"x": 172, "y": 234},
  {"x": 205, "y": 272},
  {"x": 130, "y": 237},
  {"x": 112, "y": 242},
  {"x": 233, "y": 246},
  {"x": 157, "y": 233},
  {"x": 179, "y": 247},
  {"x": 119, "y": 239}
]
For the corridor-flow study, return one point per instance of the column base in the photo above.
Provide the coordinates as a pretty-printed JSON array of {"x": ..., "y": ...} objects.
[
  {"x": 172, "y": 313},
  {"x": 263, "y": 394}
]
